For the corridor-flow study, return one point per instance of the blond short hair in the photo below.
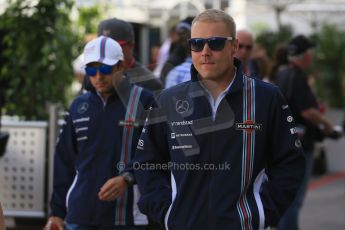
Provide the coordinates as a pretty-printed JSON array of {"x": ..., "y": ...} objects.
[{"x": 213, "y": 15}]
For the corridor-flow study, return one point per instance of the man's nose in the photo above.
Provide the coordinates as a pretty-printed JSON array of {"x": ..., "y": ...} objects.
[
  {"x": 98, "y": 75},
  {"x": 206, "y": 50}
]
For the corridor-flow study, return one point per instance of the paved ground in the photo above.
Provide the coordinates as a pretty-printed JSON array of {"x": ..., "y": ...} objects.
[{"x": 324, "y": 207}]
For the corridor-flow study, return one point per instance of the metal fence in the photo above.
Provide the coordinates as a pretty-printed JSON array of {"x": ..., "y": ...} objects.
[
  {"x": 22, "y": 169},
  {"x": 26, "y": 168}
]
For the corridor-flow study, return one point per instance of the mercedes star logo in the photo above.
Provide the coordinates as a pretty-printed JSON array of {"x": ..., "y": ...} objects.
[
  {"x": 182, "y": 106},
  {"x": 83, "y": 107}
]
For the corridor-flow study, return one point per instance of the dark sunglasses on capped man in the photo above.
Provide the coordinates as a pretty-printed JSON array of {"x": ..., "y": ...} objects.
[{"x": 103, "y": 69}]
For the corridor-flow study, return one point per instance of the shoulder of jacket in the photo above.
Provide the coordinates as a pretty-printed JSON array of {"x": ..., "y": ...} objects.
[
  {"x": 266, "y": 88},
  {"x": 83, "y": 98}
]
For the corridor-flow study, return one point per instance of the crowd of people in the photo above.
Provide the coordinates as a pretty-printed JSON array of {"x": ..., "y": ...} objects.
[
  {"x": 228, "y": 136},
  {"x": 215, "y": 79}
]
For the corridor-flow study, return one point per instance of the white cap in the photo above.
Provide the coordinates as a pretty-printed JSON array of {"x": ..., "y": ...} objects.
[
  {"x": 78, "y": 65},
  {"x": 104, "y": 50}
]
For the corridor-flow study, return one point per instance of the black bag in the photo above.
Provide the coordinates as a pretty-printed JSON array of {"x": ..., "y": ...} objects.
[{"x": 3, "y": 142}]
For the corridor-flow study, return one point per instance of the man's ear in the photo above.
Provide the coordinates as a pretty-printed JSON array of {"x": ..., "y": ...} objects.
[{"x": 234, "y": 47}]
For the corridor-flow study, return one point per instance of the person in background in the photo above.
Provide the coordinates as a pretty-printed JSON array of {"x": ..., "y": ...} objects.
[
  {"x": 260, "y": 62},
  {"x": 244, "y": 51},
  {"x": 280, "y": 61},
  {"x": 98, "y": 138},
  {"x": 217, "y": 152},
  {"x": 180, "y": 49},
  {"x": 181, "y": 72},
  {"x": 293, "y": 82},
  {"x": 165, "y": 50},
  {"x": 123, "y": 32},
  {"x": 154, "y": 55}
]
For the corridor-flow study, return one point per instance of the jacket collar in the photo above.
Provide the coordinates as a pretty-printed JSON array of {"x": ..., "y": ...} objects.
[
  {"x": 236, "y": 85},
  {"x": 121, "y": 91}
]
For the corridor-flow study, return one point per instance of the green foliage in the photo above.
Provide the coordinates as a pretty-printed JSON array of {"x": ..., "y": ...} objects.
[
  {"x": 330, "y": 64},
  {"x": 87, "y": 24},
  {"x": 269, "y": 39},
  {"x": 258, "y": 27},
  {"x": 329, "y": 61},
  {"x": 39, "y": 47},
  {"x": 88, "y": 20}
]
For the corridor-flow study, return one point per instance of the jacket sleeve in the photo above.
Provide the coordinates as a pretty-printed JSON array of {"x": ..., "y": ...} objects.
[
  {"x": 147, "y": 101},
  {"x": 285, "y": 163},
  {"x": 64, "y": 171},
  {"x": 151, "y": 173}
]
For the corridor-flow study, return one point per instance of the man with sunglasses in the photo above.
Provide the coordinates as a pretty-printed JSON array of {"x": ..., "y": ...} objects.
[
  {"x": 219, "y": 152},
  {"x": 97, "y": 140},
  {"x": 244, "y": 52},
  {"x": 123, "y": 32}
]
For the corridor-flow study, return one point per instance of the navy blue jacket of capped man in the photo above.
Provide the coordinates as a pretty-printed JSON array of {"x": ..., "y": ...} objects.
[
  {"x": 236, "y": 166},
  {"x": 97, "y": 139}
]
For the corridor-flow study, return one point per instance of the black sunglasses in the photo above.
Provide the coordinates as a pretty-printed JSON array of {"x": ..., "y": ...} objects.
[
  {"x": 214, "y": 43},
  {"x": 243, "y": 46}
]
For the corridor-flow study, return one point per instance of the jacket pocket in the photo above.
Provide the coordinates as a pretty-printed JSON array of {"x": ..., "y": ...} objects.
[
  {"x": 139, "y": 218},
  {"x": 173, "y": 196},
  {"x": 260, "y": 179},
  {"x": 71, "y": 189}
]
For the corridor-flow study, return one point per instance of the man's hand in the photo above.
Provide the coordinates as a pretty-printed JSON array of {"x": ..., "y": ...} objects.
[
  {"x": 54, "y": 223},
  {"x": 112, "y": 189},
  {"x": 336, "y": 133}
]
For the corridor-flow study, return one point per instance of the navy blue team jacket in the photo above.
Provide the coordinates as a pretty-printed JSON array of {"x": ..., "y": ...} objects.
[
  {"x": 97, "y": 139},
  {"x": 239, "y": 169}
]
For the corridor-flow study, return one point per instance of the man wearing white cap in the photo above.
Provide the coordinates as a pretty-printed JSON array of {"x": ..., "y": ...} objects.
[
  {"x": 123, "y": 32},
  {"x": 97, "y": 140}
]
